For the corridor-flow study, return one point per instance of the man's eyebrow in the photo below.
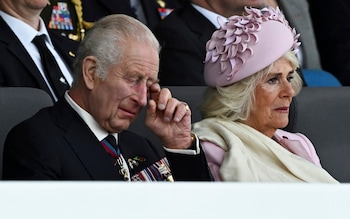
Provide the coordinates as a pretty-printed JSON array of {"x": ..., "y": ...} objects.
[{"x": 156, "y": 81}]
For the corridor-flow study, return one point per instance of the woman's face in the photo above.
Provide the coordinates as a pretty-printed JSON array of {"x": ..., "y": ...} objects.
[{"x": 273, "y": 97}]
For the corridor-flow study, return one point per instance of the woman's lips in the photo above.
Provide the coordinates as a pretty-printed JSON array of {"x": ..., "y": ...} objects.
[{"x": 282, "y": 109}]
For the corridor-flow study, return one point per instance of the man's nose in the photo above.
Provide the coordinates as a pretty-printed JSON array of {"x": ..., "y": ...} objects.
[{"x": 142, "y": 94}]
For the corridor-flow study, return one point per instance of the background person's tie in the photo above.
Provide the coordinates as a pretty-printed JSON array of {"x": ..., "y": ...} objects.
[
  {"x": 110, "y": 145},
  {"x": 52, "y": 71}
]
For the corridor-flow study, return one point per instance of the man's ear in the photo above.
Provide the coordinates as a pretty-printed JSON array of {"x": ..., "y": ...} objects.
[{"x": 89, "y": 71}]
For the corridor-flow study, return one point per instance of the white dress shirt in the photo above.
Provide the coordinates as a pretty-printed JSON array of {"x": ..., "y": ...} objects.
[{"x": 211, "y": 16}]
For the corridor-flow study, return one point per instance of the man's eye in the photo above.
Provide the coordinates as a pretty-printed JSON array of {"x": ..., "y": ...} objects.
[
  {"x": 139, "y": 80},
  {"x": 132, "y": 80}
]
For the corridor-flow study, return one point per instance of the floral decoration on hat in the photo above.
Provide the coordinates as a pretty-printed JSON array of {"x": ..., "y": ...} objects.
[{"x": 233, "y": 43}]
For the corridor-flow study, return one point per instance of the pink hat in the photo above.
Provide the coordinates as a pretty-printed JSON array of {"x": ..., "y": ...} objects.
[{"x": 247, "y": 44}]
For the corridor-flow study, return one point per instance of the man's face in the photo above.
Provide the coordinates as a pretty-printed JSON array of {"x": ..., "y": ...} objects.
[{"x": 117, "y": 100}]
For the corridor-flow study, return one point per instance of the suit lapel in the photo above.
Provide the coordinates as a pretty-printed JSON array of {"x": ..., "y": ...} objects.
[
  {"x": 90, "y": 152},
  {"x": 198, "y": 23},
  {"x": 86, "y": 146},
  {"x": 152, "y": 13},
  {"x": 18, "y": 50}
]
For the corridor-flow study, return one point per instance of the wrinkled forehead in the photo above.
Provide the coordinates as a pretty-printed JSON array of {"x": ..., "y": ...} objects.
[{"x": 141, "y": 61}]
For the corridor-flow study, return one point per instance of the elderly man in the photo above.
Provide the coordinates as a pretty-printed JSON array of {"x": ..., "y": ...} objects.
[{"x": 84, "y": 137}]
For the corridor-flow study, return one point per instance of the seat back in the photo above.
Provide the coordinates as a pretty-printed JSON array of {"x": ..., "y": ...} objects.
[
  {"x": 320, "y": 78},
  {"x": 323, "y": 115},
  {"x": 16, "y": 105},
  {"x": 192, "y": 95}
]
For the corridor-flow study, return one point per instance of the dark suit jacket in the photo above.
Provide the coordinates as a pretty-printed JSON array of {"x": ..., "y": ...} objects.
[
  {"x": 183, "y": 36},
  {"x": 93, "y": 10},
  {"x": 17, "y": 69},
  {"x": 331, "y": 24},
  {"x": 56, "y": 144},
  {"x": 150, "y": 9},
  {"x": 96, "y": 9}
]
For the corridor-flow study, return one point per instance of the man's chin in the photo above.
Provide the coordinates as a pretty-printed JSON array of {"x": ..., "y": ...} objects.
[{"x": 120, "y": 127}]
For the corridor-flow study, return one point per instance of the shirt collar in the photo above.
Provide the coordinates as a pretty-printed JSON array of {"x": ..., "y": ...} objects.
[
  {"x": 211, "y": 16},
  {"x": 89, "y": 120},
  {"x": 22, "y": 30}
]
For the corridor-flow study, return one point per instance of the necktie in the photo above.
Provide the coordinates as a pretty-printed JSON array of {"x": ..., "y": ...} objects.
[
  {"x": 110, "y": 145},
  {"x": 52, "y": 71}
]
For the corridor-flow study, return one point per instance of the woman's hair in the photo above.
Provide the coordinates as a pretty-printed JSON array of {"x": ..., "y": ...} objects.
[
  {"x": 235, "y": 101},
  {"x": 107, "y": 41}
]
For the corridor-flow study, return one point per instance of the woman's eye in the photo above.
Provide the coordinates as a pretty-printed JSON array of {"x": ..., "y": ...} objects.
[
  {"x": 290, "y": 78},
  {"x": 272, "y": 80}
]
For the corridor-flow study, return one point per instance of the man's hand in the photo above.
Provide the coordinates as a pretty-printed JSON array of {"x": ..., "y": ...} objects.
[{"x": 169, "y": 118}]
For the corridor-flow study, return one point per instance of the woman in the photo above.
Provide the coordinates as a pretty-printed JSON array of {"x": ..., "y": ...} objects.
[{"x": 250, "y": 69}]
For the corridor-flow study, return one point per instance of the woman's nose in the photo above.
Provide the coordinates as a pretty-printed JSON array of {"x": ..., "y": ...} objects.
[{"x": 288, "y": 88}]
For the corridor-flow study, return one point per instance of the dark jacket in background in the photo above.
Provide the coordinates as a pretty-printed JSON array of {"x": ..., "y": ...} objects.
[
  {"x": 83, "y": 13},
  {"x": 17, "y": 68},
  {"x": 183, "y": 36},
  {"x": 332, "y": 27}
]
